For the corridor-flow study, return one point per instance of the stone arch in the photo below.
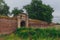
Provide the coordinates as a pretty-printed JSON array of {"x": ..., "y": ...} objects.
[{"x": 22, "y": 20}]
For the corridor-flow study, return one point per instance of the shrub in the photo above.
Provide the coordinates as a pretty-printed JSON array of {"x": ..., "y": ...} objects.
[{"x": 37, "y": 33}]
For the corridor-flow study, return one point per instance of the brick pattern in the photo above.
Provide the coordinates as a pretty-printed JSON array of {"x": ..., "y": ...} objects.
[
  {"x": 7, "y": 26},
  {"x": 37, "y": 23}
]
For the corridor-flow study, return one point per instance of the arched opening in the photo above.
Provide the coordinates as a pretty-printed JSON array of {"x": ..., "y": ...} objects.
[{"x": 23, "y": 24}]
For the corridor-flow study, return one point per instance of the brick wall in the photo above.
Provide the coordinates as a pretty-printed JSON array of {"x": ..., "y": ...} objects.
[
  {"x": 37, "y": 23},
  {"x": 7, "y": 25}
]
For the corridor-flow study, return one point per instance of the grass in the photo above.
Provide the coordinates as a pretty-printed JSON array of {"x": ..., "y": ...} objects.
[{"x": 14, "y": 37}]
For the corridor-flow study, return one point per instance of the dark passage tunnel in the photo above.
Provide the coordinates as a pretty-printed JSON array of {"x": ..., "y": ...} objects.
[{"x": 23, "y": 24}]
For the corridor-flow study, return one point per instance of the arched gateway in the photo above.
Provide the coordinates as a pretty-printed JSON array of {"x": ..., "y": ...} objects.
[
  {"x": 23, "y": 24},
  {"x": 22, "y": 20}
]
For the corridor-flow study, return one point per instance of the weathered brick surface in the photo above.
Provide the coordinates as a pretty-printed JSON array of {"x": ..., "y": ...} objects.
[
  {"x": 7, "y": 25},
  {"x": 37, "y": 23}
]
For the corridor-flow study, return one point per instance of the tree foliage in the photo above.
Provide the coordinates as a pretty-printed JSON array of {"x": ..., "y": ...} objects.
[
  {"x": 40, "y": 11},
  {"x": 4, "y": 9},
  {"x": 16, "y": 11}
]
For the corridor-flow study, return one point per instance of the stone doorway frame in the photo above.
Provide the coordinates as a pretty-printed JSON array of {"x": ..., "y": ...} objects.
[{"x": 19, "y": 20}]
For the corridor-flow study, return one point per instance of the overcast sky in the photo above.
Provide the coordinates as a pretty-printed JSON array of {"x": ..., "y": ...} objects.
[{"x": 53, "y": 3}]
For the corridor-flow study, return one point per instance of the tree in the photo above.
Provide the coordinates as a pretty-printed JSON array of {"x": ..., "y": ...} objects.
[
  {"x": 16, "y": 11},
  {"x": 40, "y": 11},
  {"x": 4, "y": 9}
]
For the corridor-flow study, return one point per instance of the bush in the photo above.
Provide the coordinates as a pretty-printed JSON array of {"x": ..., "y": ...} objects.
[{"x": 37, "y": 33}]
